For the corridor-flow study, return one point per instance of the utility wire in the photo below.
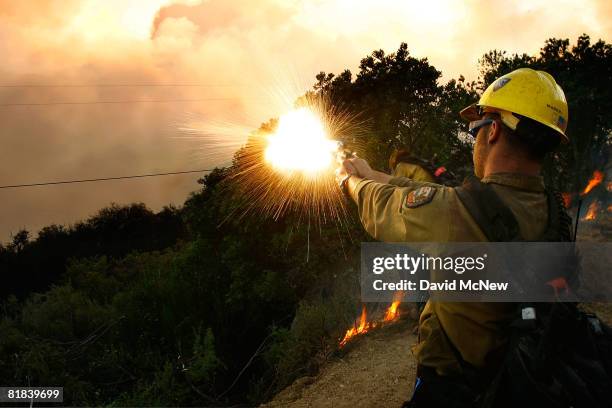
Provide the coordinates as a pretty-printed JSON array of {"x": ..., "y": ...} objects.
[
  {"x": 120, "y": 85},
  {"x": 49, "y": 183},
  {"x": 117, "y": 102}
]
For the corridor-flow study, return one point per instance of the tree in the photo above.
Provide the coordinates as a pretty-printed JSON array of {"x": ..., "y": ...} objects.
[
  {"x": 20, "y": 240},
  {"x": 404, "y": 105}
]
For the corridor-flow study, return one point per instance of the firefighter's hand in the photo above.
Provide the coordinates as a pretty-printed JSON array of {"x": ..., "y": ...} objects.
[
  {"x": 346, "y": 169},
  {"x": 362, "y": 168}
]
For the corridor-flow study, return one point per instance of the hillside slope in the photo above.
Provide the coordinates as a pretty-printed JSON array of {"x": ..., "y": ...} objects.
[{"x": 376, "y": 370}]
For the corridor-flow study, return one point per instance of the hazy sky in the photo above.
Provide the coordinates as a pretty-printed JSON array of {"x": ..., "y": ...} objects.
[{"x": 250, "y": 58}]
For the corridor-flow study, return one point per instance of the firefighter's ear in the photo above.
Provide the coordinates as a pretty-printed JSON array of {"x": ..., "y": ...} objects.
[{"x": 494, "y": 132}]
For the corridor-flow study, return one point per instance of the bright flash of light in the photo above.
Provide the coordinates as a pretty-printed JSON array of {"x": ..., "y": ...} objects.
[
  {"x": 300, "y": 143},
  {"x": 286, "y": 166}
]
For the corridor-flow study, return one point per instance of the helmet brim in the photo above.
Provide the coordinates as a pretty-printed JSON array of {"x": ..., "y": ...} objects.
[{"x": 471, "y": 113}]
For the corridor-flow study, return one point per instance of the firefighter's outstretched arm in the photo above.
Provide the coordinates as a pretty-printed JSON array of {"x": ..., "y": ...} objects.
[
  {"x": 361, "y": 168},
  {"x": 395, "y": 209}
]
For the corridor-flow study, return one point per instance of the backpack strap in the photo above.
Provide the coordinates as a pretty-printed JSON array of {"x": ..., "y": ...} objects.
[
  {"x": 559, "y": 222},
  {"x": 497, "y": 221},
  {"x": 488, "y": 211},
  {"x": 559, "y": 229}
]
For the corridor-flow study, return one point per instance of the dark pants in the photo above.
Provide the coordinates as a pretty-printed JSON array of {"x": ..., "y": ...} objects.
[{"x": 432, "y": 390}]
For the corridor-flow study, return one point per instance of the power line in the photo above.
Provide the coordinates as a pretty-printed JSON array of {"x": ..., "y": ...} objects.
[
  {"x": 48, "y": 183},
  {"x": 118, "y": 102},
  {"x": 121, "y": 85}
]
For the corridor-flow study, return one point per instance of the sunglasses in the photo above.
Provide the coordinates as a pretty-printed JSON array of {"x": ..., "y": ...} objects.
[{"x": 477, "y": 124}]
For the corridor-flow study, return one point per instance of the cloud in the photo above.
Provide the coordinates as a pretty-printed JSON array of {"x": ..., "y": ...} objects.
[{"x": 252, "y": 58}]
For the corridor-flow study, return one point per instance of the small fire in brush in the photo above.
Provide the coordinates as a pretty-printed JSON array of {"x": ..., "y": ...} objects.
[
  {"x": 362, "y": 326},
  {"x": 591, "y": 214},
  {"x": 595, "y": 180}
]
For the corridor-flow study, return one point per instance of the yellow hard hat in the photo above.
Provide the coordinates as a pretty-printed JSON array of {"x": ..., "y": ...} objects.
[{"x": 527, "y": 92}]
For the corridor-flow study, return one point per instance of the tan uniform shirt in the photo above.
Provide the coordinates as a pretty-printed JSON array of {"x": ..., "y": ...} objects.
[
  {"x": 389, "y": 214},
  {"x": 413, "y": 172}
]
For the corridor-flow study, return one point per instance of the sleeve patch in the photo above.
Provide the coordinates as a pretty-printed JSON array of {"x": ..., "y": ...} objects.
[{"x": 420, "y": 196}]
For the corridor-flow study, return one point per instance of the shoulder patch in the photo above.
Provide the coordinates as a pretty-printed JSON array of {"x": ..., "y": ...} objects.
[{"x": 420, "y": 196}]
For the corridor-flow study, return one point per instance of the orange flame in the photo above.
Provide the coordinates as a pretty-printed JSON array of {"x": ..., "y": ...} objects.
[
  {"x": 567, "y": 199},
  {"x": 609, "y": 186},
  {"x": 610, "y": 208},
  {"x": 362, "y": 325},
  {"x": 392, "y": 313},
  {"x": 597, "y": 178},
  {"x": 592, "y": 211}
]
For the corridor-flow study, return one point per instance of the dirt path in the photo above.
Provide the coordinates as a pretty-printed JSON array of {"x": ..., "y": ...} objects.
[{"x": 377, "y": 370}]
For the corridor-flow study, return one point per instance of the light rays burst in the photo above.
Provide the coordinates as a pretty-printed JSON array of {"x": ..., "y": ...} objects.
[{"x": 287, "y": 166}]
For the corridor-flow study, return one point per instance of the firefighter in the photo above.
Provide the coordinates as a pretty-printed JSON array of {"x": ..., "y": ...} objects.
[
  {"x": 404, "y": 164},
  {"x": 520, "y": 117}
]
